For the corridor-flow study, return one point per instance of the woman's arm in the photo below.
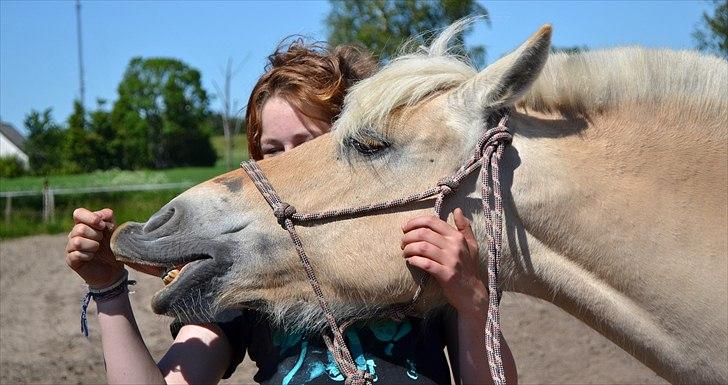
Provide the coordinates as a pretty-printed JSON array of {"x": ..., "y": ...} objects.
[
  {"x": 466, "y": 346},
  {"x": 200, "y": 353},
  {"x": 450, "y": 254}
]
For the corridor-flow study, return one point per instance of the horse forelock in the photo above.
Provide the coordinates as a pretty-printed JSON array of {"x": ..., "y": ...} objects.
[
  {"x": 593, "y": 82},
  {"x": 403, "y": 82}
]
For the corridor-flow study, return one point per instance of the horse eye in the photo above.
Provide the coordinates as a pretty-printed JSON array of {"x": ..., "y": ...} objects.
[{"x": 368, "y": 148}]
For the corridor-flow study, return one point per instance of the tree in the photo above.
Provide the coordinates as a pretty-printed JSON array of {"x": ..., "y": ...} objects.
[
  {"x": 45, "y": 142},
  {"x": 231, "y": 121},
  {"x": 78, "y": 155},
  {"x": 11, "y": 167},
  {"x": 384, "y": 25},
  {"x": 161, "y": 116},
  {"x": 89, "y": 140},
  {"x": 105, "y": 147},
  {"x": 711, "y": 34}
]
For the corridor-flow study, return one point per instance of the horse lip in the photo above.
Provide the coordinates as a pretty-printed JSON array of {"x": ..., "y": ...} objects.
[
  {"x": 163, "y": 300},
  {"x": 130, "y": 246}
]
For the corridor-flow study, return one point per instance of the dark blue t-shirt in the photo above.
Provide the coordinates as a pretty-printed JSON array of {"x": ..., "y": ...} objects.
[{"x": 406, "y": 352}]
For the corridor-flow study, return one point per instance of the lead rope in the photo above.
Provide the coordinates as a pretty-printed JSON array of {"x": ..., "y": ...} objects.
[{"x": 490, "y": 149}]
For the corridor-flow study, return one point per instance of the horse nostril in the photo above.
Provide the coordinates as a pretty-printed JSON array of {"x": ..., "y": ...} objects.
[{"x": 159, "y": 219}]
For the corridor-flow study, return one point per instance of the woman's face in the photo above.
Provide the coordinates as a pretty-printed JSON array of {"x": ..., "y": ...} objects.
[{"x": 283, "y": 127}]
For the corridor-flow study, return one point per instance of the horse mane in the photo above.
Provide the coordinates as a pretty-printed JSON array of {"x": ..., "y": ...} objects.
[
  {"x": 582, "y": 83},
  {"x": 592, "y": 82}
]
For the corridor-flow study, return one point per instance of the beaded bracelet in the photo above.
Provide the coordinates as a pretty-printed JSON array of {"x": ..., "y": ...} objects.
[{"x": 102, "y": 295}]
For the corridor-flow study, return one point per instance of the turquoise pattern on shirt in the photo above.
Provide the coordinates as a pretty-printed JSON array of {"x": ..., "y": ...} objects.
[{"x": 313, "y": 362}]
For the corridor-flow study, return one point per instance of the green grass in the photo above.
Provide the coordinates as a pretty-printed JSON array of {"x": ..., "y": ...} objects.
[
  {"x": 128, "y": 206},
  {"x": 240, "y": 152},
  {"x": 123, "y": 178},
  {"x": 113, "y": 178},
  {"x": 26, "y": 218}
]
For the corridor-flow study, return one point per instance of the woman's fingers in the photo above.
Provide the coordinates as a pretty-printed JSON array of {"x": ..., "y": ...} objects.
[
  {"x": 429, "y": 221},
  {"x": 84, "y": 231},
  {"x": 440, "y": 272},
  {"x": 82, "y": 215},
  {"x": 107, "y": 215},
  {"x": 75, "y": 259},
  {"x": 82, "y": 244},
  {"x": 424, "y": 249},
  {"x": 423, "y": 234},
  {"x": 463, "y": 225}
]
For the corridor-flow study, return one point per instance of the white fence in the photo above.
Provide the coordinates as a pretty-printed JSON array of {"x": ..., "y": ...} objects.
[{"x": 49, "y": 194}]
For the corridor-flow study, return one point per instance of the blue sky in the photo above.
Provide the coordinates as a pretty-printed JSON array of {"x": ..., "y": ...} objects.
[{"x": 39, "y": 63}]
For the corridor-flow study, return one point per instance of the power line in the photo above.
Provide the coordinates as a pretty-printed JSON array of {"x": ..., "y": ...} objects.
[{"x": 80, "y": 52}]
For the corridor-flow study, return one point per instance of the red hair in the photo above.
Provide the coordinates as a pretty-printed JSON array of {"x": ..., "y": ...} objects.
[{"x": 312, "y": 78}]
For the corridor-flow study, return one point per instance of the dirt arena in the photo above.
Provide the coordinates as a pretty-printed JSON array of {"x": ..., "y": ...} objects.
[{"x": 40, "y": 341}]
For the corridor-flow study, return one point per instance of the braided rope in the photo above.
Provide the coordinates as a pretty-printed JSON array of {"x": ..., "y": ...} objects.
[{"x": 487, "y": 157}]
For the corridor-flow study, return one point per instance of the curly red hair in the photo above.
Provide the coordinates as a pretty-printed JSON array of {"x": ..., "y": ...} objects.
[{"x": 313, "y": 78}]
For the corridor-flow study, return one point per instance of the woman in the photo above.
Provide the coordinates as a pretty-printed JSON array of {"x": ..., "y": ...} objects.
[{"x": 296, "y": 100}]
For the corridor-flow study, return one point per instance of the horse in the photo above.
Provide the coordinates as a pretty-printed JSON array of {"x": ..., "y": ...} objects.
[{"x": 614, "y": 198}]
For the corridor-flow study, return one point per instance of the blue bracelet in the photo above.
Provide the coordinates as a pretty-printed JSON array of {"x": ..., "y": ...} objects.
[{"x": 102, "y": 295}]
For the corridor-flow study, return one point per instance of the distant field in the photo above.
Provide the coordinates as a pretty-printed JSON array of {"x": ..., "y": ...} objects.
[
  {"x": 26, "y": 216},
  {"x": 240, "y": 152},
  {"x": 113, "y": 178},
  {"x": 121, "y": 178}
]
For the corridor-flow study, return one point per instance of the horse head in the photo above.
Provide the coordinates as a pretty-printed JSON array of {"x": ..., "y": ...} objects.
[{"x": 399, "y": 133}]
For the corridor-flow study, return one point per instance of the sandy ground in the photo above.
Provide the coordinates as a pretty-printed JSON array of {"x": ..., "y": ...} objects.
[{"x": 40, "y": 340}]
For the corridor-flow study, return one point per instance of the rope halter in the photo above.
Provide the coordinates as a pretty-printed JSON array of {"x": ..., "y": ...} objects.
[{"x": 487, "y": 157}]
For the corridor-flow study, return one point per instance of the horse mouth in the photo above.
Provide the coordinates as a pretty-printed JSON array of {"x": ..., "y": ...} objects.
[
  {"x": 183, "y": 263},
  {"x": 174, "y": 271}
]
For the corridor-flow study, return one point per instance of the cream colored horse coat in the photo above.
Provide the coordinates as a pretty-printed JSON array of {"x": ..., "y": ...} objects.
[{"x": 615, "y": 194}]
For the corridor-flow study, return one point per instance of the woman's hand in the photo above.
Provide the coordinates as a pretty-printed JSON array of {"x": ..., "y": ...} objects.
[
  {"x": 450, "y": 254},
  {"x": 88, "y": 252}
]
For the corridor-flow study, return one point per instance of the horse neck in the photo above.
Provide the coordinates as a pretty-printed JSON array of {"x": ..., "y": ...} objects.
[{"x": 594, "y": 232}]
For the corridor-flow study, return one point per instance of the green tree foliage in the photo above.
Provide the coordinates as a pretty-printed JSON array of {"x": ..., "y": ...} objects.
[
  {"x": 44, "y": 145},
  {"x": 105, "y": 148},
  {"x": 11, "y": 167},
  {"x": 711, "y": 34},
  {"x": 78, "y": 155},
  {"x": 89, "y": 141},
  {"x": 384, "y": 25},
  {"x": 161, "y": 116}
]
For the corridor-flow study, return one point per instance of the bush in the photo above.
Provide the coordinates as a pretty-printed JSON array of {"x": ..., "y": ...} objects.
[{"x": 11, "y": 167}]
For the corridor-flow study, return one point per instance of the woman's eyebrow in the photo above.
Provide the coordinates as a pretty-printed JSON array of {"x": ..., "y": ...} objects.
[
  {"x": 271, "y": 141},
  {"x": 301, "y": 136}
]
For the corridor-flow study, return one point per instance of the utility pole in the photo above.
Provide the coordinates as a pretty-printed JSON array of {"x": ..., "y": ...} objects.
[{"x": 80, "y": 52}]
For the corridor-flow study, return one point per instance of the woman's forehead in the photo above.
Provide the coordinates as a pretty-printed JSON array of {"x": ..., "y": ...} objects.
[{"x": 280, "y": 121}]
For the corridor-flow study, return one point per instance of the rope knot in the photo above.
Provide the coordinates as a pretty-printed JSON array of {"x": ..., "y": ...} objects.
[
  {"x": 283, "y": 211},
  {"x": 448, "y": 185},
  {"x": 359, "y": 377}
]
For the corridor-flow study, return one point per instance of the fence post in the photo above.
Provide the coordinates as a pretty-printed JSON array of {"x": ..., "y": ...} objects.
[
  {"x": 48, "y": 203},
  {"x": 8, "y": 208}
]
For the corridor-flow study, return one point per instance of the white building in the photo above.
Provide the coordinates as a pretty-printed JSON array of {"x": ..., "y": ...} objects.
[{"x": 11, "y": 143}]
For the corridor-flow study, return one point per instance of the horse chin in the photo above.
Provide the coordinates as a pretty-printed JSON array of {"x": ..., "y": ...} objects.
[
  {"x": 187, "y": 288},
  {"x": 199, "y": 264}
]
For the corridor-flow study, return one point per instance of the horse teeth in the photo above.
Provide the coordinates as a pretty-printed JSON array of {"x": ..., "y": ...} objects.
[{"x": 170, "y": 276}]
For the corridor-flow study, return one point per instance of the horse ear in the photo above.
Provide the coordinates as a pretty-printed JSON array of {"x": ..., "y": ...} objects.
[{"x": 505, "y": 81}]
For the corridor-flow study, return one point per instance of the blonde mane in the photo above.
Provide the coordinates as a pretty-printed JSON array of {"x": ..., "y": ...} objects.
[
  {"x": 595, "y": 81},
  {"x": 571, "y": 84},
  {"x": 403, "y": 82}
]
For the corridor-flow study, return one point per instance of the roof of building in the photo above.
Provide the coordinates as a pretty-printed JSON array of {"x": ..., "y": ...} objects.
[{"x": 12, "y": 134}]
